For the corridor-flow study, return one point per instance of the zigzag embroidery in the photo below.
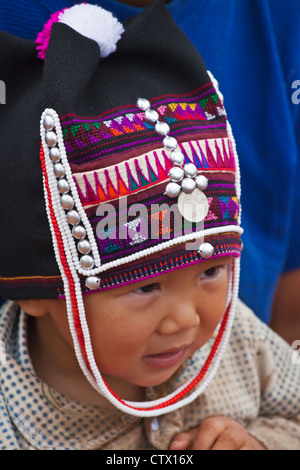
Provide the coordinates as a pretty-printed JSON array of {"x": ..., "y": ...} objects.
[{"x": 149, "y": 169}]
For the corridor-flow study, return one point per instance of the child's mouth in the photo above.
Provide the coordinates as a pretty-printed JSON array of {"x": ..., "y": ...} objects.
[{"x": 166, "y": 359}]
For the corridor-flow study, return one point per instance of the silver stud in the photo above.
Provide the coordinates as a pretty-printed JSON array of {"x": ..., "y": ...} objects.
[
  {"x": 84, "y": 247},
  {"x": 188, "y": 185},
  {"x": 67, "y": 202},
  {"x": 59, "y": 170},
  {"x": 162, "y": 128},
  {"x": 93, "y": 282},
  {"x": 190, "y": 170},
  {"x": 51, "y": 138},
  {"x": 63, "y": 186},
  {"x": 54, "y": 154},
  {"x": 172, "y": 190},
  {"x": 170, "y": 142},
  {"x": 177, "y": 157},
  {"x": 151, "y": 115},
  {"x": 176, "y": 174},
  {"x": 48, "y": 122},
  {"x": 78, "y": 232},
  {"x": 206, "y": 250},
  {"x": 73, "y": 217},
  {"x": 143, "y": 104},
  {"x": 87, "y": 262},
  {"x": 201, "y": 182}
]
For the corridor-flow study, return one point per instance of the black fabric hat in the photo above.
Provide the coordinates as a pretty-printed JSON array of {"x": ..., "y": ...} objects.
[{"x": 85, "y": 127}]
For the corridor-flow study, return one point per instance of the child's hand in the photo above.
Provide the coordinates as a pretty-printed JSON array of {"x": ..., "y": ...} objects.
[{"x": 216, "y": 433}]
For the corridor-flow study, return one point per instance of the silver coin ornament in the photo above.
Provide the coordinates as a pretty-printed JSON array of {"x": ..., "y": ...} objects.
[
  {"x": 73, "y": 217},
  {"x": 176, "y": 174},
  {"x": 170, "y": 142},
  {"x": 84, "y": 247},
  {"x": 67, "y": 202},
  {"x": 151, "y": 115},
  {"x": 188, "y": 185},
  {"x": 143, "y": 104},
  {"x": 87, "y": 262},
  {"x": 48, "y": 122},
  {"x": 172, "y": 190},
  {"x": 190, "y": 170},
  {"x": 201, "y": 182},
  {"x": 54, "y": 154},
  {"x": 93, "y": 282},
  {"x": 63, "y": 186},
  {"x": 206, "y": 250},
  {"x": 51, "y": 138},
  {"x": 177, "y": 158},
  {"x": 59, "y": 170},
  {"x": 194, "y": 206},
  {"x": 162, "y": 128},
  {"x": 78, "y": 232}
]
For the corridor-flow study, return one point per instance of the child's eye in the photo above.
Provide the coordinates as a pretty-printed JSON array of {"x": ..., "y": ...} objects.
[
  {"x": 211, "y": 272},
  {"x": 147, "y": 289}
]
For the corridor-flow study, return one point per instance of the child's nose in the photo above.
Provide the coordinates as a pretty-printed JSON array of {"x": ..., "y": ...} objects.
[{"x": 179, "y": 316}]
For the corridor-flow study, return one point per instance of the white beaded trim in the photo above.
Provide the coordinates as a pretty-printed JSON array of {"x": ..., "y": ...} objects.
[{"x": 72, "y": 258}]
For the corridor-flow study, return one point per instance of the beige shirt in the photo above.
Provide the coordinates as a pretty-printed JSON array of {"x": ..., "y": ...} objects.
[{"x": 257, "y": 384}]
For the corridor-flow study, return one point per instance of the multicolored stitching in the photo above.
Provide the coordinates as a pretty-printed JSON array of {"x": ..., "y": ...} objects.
[{"x": 89, "y": 138}]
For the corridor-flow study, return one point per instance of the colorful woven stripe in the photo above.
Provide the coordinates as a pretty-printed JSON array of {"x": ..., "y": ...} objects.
[{"x": 90, "y": 138}]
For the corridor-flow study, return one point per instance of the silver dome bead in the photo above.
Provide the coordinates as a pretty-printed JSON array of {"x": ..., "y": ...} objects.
[
  {"x": 201, "y": 182},
  {"x": 54, "y": 154},
  {"x": 190, "y": 170},
  {"x": 93, "y": 282},
  {"x": 87, "y": 262},
  {"x": 206, "y": 250},
  {"x": 59, "y": 170},
  {"x": 172, "y": 190},
  {"x": 176, "y": 174},
  {"x": 162, "y": 128},
  {"x": 63, "y": 186},
  {"x": 170, "y": 142},
  {"x": 48, "y": 122},
  {"x": 143, "y": 104},
  {"x": 188, "y": 185},
  {"x": 51, "y": 138},
  {"x": 151, "y": 115},
  {"x": 84, "y": 247},
  {"x": 67, "y": 202},
  {"x": 73, "y": 217},
  {"x": 177, "y": 157},
  {"x": 78, "y": 232}
]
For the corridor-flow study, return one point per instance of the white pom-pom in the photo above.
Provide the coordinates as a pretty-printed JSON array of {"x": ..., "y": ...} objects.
[{"x": 95, "y": 23}]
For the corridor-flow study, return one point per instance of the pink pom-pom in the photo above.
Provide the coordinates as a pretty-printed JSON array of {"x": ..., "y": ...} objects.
[{"x": 43, "y": 37}]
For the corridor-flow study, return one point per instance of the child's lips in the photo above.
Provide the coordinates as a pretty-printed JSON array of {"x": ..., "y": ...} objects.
[{"x": 167, "y": 358}]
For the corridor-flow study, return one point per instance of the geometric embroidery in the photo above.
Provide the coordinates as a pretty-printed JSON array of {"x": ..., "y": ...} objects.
[
  {"x": 90, "y": 138},
  {"x": 150, "y": 169}
]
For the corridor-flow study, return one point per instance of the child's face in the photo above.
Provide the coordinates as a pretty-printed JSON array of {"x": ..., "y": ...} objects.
[{"x": 142, "y": 333}]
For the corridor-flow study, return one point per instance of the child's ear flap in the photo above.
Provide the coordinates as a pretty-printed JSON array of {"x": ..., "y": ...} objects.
[{"x": 70, "y": 63}]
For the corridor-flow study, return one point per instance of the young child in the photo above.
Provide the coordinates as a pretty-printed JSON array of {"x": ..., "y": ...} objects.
[{"x": 120, "y": 250}]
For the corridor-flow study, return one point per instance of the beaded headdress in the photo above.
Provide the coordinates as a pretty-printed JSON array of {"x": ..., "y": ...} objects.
[{"x": 138, "y": 173}]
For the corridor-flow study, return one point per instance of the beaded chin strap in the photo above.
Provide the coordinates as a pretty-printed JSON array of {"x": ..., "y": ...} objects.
[{"x": 77, "y": 254}]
